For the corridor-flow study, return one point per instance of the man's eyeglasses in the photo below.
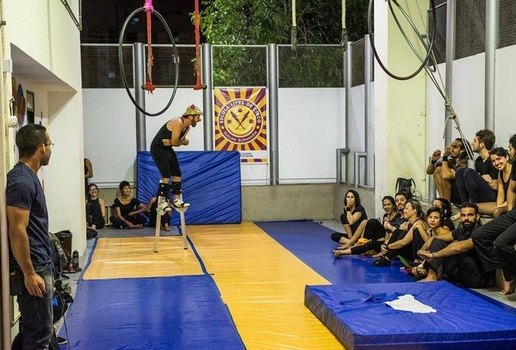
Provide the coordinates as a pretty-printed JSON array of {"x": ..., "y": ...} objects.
[{"x": 50, "y": 145}]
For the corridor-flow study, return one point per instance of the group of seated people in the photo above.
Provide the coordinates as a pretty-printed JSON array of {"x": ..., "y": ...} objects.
[
  {"x": 430, "y": 245},
  {"x": 129, "y": 212},
  {"x": 487, "y": 184}
]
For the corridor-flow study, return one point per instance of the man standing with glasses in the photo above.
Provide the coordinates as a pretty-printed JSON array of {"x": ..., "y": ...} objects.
[{"x": 31, "y": 266}]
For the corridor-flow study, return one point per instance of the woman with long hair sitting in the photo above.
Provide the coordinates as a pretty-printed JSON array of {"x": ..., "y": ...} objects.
[
  {"x": 435, "y": 219},
  {"x": 500, "y": 159},
  {"x": 401, "y": 241},
  {"x": 354, "y": 214},
  {"x": 446, "y": 212},
  {"x": 374, "y": 231},
  {"x": 95, "y": 211}
]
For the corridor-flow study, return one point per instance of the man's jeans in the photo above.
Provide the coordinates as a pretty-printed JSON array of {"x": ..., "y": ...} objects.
[{"x": 36, "y": 319}]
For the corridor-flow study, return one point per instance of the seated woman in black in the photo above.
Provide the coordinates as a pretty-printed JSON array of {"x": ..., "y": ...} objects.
[
  {"x": 401, "y": 241},
  {"x": 500, "y": 159},
  {"x": 435, "y": 229},
  {"x": 374, "y": 231},
  {"x": 445, "y": 206},
  {"x": 354, "y": 214},
  {"x": 128, "y": 210},
  {"x": 95, "y": 211}
]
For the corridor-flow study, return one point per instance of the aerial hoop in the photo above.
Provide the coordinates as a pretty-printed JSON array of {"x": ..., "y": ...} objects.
[
  {"x": 373, "y": 46},
  {"x": 121, "y": 62}
]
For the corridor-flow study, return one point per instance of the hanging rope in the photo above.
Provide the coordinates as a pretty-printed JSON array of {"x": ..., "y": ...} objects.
[
  {"x": 197, "y": 23},
  {"x": 150, "y": 58},
  {"x": 293, "y": 33},
  {"x": 344, "y": 33}
]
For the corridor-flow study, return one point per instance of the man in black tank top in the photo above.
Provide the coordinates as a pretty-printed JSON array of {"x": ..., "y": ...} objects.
[{"x": 172, "y": 134}]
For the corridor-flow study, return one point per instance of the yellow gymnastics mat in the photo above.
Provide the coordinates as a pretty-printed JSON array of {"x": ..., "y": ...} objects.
[
  {"x": 133, "y": 257},
  {"x": 263, "y": 285}
]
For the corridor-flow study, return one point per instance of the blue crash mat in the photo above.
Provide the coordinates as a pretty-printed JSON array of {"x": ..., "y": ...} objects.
[
  {"x": 209, "y": 179},
  {"x": 153, "y": 313},
  {"x": 360, "y": 319},
  {"x": 311, "y": 243}
]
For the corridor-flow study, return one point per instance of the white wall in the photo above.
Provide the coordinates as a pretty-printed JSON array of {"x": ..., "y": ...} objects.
[
  {"x": 46, "y": 60},
  {"x": 357, "y": 133},
  {"x": 468, "y": 99},
  {"x": 110, "y": 129},
  {"x": 44, "y": 30},
  {"x": 311, "y": 128},
  {"x": 310, "y": 122},
  {"x": 44, "y": 45},
  {"x": 311, "y": 125}
]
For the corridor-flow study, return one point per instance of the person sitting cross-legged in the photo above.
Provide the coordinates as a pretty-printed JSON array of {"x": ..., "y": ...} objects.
[
  {"x": 354, "y": 214},
  {"x": 446, "y": 211},
  {"x": 435, "y": 219},
  {"x": 451, "y": 256},
  {"x": 444, "y": 170},
  {"x": 128, "y": 210},
  {"x": 494, "y": 241},
  {"x": 480, "y": 185},
  {"x": 500, "y": 159},
  {"x": 95, "y": 211},
  {"x": 374, "y": 231},
  {"x": 401, "y": 242}
]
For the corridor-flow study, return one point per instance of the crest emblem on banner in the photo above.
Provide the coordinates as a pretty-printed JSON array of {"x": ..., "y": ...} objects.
[{"x": 240, "y": 122}]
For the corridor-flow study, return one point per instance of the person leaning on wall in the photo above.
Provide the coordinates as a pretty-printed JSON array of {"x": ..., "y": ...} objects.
[{"x": 31, "y": 267}]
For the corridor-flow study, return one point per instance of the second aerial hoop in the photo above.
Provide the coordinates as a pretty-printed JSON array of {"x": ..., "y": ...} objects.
[{"x": 121, "y": 62}]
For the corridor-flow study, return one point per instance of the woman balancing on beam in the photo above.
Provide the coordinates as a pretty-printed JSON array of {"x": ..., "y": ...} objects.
[{"x": 172, "y": 134}]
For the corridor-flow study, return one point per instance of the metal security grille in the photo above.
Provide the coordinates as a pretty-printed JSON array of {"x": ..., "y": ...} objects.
[
  {"x": 311, "y": 66},
  {"x": 100, "y": 67},
  {"x": 239, "y": 65},
  {"x": 507, "y": 23},
  {"x": 471, "y": 28},
  {"x": 357, "y": 63}
]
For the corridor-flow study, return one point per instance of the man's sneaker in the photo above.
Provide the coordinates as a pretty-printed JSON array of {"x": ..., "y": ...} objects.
[
  {"x": 61, "y": 340},
  {"x": 163, "y": 206},
  {"x": 178, "y": 203}
]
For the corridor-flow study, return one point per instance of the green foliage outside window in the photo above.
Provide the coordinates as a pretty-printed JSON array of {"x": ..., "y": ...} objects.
[{"x": 262, "y": 22}]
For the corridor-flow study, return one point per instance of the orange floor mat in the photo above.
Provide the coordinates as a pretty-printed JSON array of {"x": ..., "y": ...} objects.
[
  {"x": 133, "y": 257},
  {"x": 263, "y": 285}
]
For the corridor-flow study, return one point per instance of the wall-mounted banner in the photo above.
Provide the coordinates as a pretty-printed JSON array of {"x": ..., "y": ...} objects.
[{"x": 240, "y": 123}]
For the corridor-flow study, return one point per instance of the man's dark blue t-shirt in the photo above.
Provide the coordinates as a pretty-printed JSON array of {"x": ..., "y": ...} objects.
[{"x": 24, "y": 191}]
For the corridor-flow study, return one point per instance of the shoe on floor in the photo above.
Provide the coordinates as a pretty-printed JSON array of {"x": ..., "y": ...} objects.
[
  {"x": 383, "y": 261},
  {"x": 75, "y": 260}
]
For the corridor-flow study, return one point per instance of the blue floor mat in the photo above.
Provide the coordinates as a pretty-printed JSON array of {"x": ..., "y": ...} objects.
[
  {"x": 311, "y": 243},
  {"x": 184, "y": 312},
  {"x": 360, "y": 319}
]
